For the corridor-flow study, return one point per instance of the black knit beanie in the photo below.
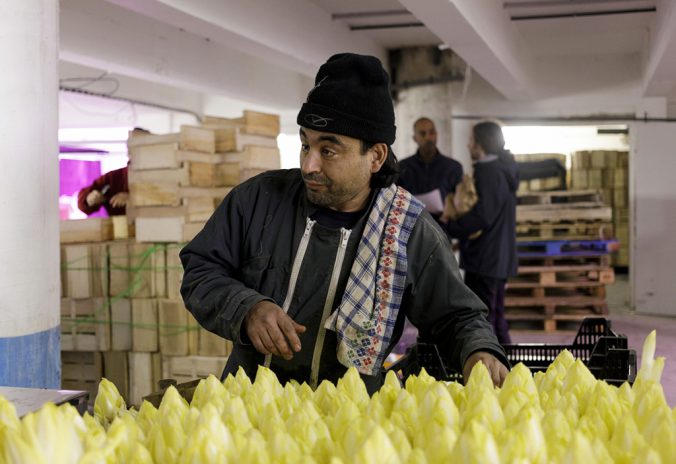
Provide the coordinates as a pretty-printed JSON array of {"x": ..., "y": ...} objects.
[{"x": 351, "y": 97}]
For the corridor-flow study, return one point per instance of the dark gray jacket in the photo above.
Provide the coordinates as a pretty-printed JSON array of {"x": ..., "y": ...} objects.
[{"x": 245, "y": 254}]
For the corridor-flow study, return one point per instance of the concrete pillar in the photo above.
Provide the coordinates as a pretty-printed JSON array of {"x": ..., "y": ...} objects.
[
  {"x": 433, "y": 101},
  {"x": 29, "y": 235}
]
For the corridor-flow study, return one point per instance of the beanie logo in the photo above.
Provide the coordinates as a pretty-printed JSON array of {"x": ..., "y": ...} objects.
[
  {"x": 307, "y": 99},
  {"x": 316, "y": 120}
]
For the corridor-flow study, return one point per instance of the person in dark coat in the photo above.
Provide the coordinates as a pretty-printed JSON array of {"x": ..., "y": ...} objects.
[
  {"x": 488, "y": 232},
  {"x": 312, "y": 271},
  {"x": 428, "y": 171}
]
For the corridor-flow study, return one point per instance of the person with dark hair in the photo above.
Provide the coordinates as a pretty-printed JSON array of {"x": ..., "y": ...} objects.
[
  {"x": 487, "y": 232},
  {"x": 428, "y": 172},
  {"x": 110, "y": 191},
  {"x": 312, "y": 271}
]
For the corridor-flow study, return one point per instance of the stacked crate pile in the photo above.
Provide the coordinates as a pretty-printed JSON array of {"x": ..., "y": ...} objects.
[
  {"x": 607, "y": 171},
  {"x": 563, "y": 260},
  {"x": 544, "y": 184},
  {"x": 133, "y": 326}
]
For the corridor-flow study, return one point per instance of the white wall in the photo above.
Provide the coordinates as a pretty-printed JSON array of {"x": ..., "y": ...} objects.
[{"x": 653, "y": 235}]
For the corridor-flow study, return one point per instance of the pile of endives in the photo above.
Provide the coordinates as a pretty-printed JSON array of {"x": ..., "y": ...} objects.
[{"x": 563, "y": 415}]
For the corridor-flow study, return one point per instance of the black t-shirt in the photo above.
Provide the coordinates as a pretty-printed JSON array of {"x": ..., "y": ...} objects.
[{"x": 336, "y": 219}]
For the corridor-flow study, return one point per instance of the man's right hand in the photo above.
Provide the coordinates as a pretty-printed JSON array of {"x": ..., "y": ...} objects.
[
  {"x": 272, "y": 331},
  {"x": 94, "y": 198}
]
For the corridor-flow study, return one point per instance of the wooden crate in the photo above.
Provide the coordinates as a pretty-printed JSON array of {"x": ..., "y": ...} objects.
[
  {"x": 250, "y": 157},
  {"x": 217, "y": 193},
  {"x": 84, "y": 271},
  {"x": 210, "y": 344},
  {"x": 220, "y": 175},
  {"x": 579, "y": 179},
  {"x": 119, "y": 269},
  {"x": 86, "y": 230},
  {"x": 174, "y": 271},
  {"x": 144, "y": 373},
  {"x": 191, "y": 229},
  {"x": 81, "y": 370},
  {"x": 148, "y": 275},
  {"x": 85, "y": 324},
  {"x": 178, "y": 176},
  {"x": 173, "y": 331},
  {"x": 155, "y": 156},
  {"x": 594, "y": 178},
  {"x": 116, "y": 369},
  {"x": 200, "y": 209},
  {"x": 144, "y": 332},
  {"x": 252, "y": 122},
  {"x": 120, "y": 323},
  {"x": 159, "y": 229},
  {"x": 220, "y": 139},
  {"x": 137, "y": 139},
  {"x": 186, "y": 368},
  {"x": 154, "y": 194}
]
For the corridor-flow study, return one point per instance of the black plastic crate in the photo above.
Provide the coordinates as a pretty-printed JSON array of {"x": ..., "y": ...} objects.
[{"x": 605, "y": 353}]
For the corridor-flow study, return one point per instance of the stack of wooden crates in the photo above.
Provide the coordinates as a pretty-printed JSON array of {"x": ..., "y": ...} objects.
[
  {"x": 547, "y": 183},
  {"x": 607, "y": 171},
  {"x": 122, "y": 314}
]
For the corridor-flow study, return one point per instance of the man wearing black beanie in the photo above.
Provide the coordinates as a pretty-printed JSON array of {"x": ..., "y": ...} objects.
[{"x": 311, "y": 271}]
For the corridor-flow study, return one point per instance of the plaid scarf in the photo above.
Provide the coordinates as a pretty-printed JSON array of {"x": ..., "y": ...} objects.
[{"x": 365, "y": 319}]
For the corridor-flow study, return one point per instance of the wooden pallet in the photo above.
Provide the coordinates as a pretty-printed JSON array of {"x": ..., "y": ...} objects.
[
  {"x": 596, "y": 261},
  {"x": 566, "y": 247},
  {"x": 564, "y": 230},
  {"x": 558, "y": 273},
  {"x": 550, "y": 309},
  {"x": 556, "y": 197},
  {"x": 571, "y": 212},
  {"x": 555, "y": 290}
]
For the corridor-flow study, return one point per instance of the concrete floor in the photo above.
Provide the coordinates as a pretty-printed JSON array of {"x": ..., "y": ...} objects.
[{"x": 635, "y": 326}]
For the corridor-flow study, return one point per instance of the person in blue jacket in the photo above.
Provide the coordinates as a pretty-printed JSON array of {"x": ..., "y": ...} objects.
[{"x": 487, "y": 233}]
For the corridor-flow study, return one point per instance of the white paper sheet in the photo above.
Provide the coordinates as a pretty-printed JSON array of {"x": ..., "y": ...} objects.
[{"x": 432, "y": 201}]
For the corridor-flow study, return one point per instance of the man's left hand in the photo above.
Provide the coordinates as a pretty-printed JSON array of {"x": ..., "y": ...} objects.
[
  {"x": 496, "y": 369},
  {"x": 119, "y": 200}
]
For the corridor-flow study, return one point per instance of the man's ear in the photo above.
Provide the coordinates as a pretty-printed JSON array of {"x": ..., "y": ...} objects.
[{"x": 378, "y": 154}]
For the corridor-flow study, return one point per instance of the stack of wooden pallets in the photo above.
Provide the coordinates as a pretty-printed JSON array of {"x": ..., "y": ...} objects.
[
  {"x": 563, "y": 215},
  {"x": 564, "y": 261},
  {"x": 122, "y": 315}
]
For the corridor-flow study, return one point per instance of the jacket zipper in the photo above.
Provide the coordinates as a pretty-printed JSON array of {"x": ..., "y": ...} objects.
[
  {"x": 328, "y": 304},
  {"x": 295, "y": 270}
]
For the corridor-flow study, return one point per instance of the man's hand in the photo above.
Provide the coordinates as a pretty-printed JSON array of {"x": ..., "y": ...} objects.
[
  {"x": 496, "y": 369},
  {"x": 94, "y": 198},
  {"x": 119, "y": 200},
  {"x": 271, "y": 331}
]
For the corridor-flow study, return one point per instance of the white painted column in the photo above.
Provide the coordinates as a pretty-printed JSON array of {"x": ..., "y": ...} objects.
[
  {"x": 653, "y": 217},
  {"x": 432, "y": 101},
  {"x": 29, "y": 230}
]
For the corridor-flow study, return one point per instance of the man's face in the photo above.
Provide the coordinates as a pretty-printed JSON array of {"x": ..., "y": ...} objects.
[
  {"x": 474, "y": 149},
  {"x": 335, "y": 172},
  {"x": 425, "y": 135}
]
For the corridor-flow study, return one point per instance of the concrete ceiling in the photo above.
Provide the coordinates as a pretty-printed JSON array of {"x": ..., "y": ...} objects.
[{"x": 267, "y": 51}]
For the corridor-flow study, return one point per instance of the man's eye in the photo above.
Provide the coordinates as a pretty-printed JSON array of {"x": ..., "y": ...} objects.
[
  {"x": 327, "y": 153},
  {"x": 304, "y": 147}
]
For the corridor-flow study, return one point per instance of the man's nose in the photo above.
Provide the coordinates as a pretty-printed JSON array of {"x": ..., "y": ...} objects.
[{"x": 312, "y": 162}]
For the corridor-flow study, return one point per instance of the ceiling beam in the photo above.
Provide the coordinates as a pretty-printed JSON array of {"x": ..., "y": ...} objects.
[
  {"x": 295, "y": 34},
  {"x": 484, "y": 36},
  {"x": 659, "y": 73},
  {"x": 104, "y": 36}
]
